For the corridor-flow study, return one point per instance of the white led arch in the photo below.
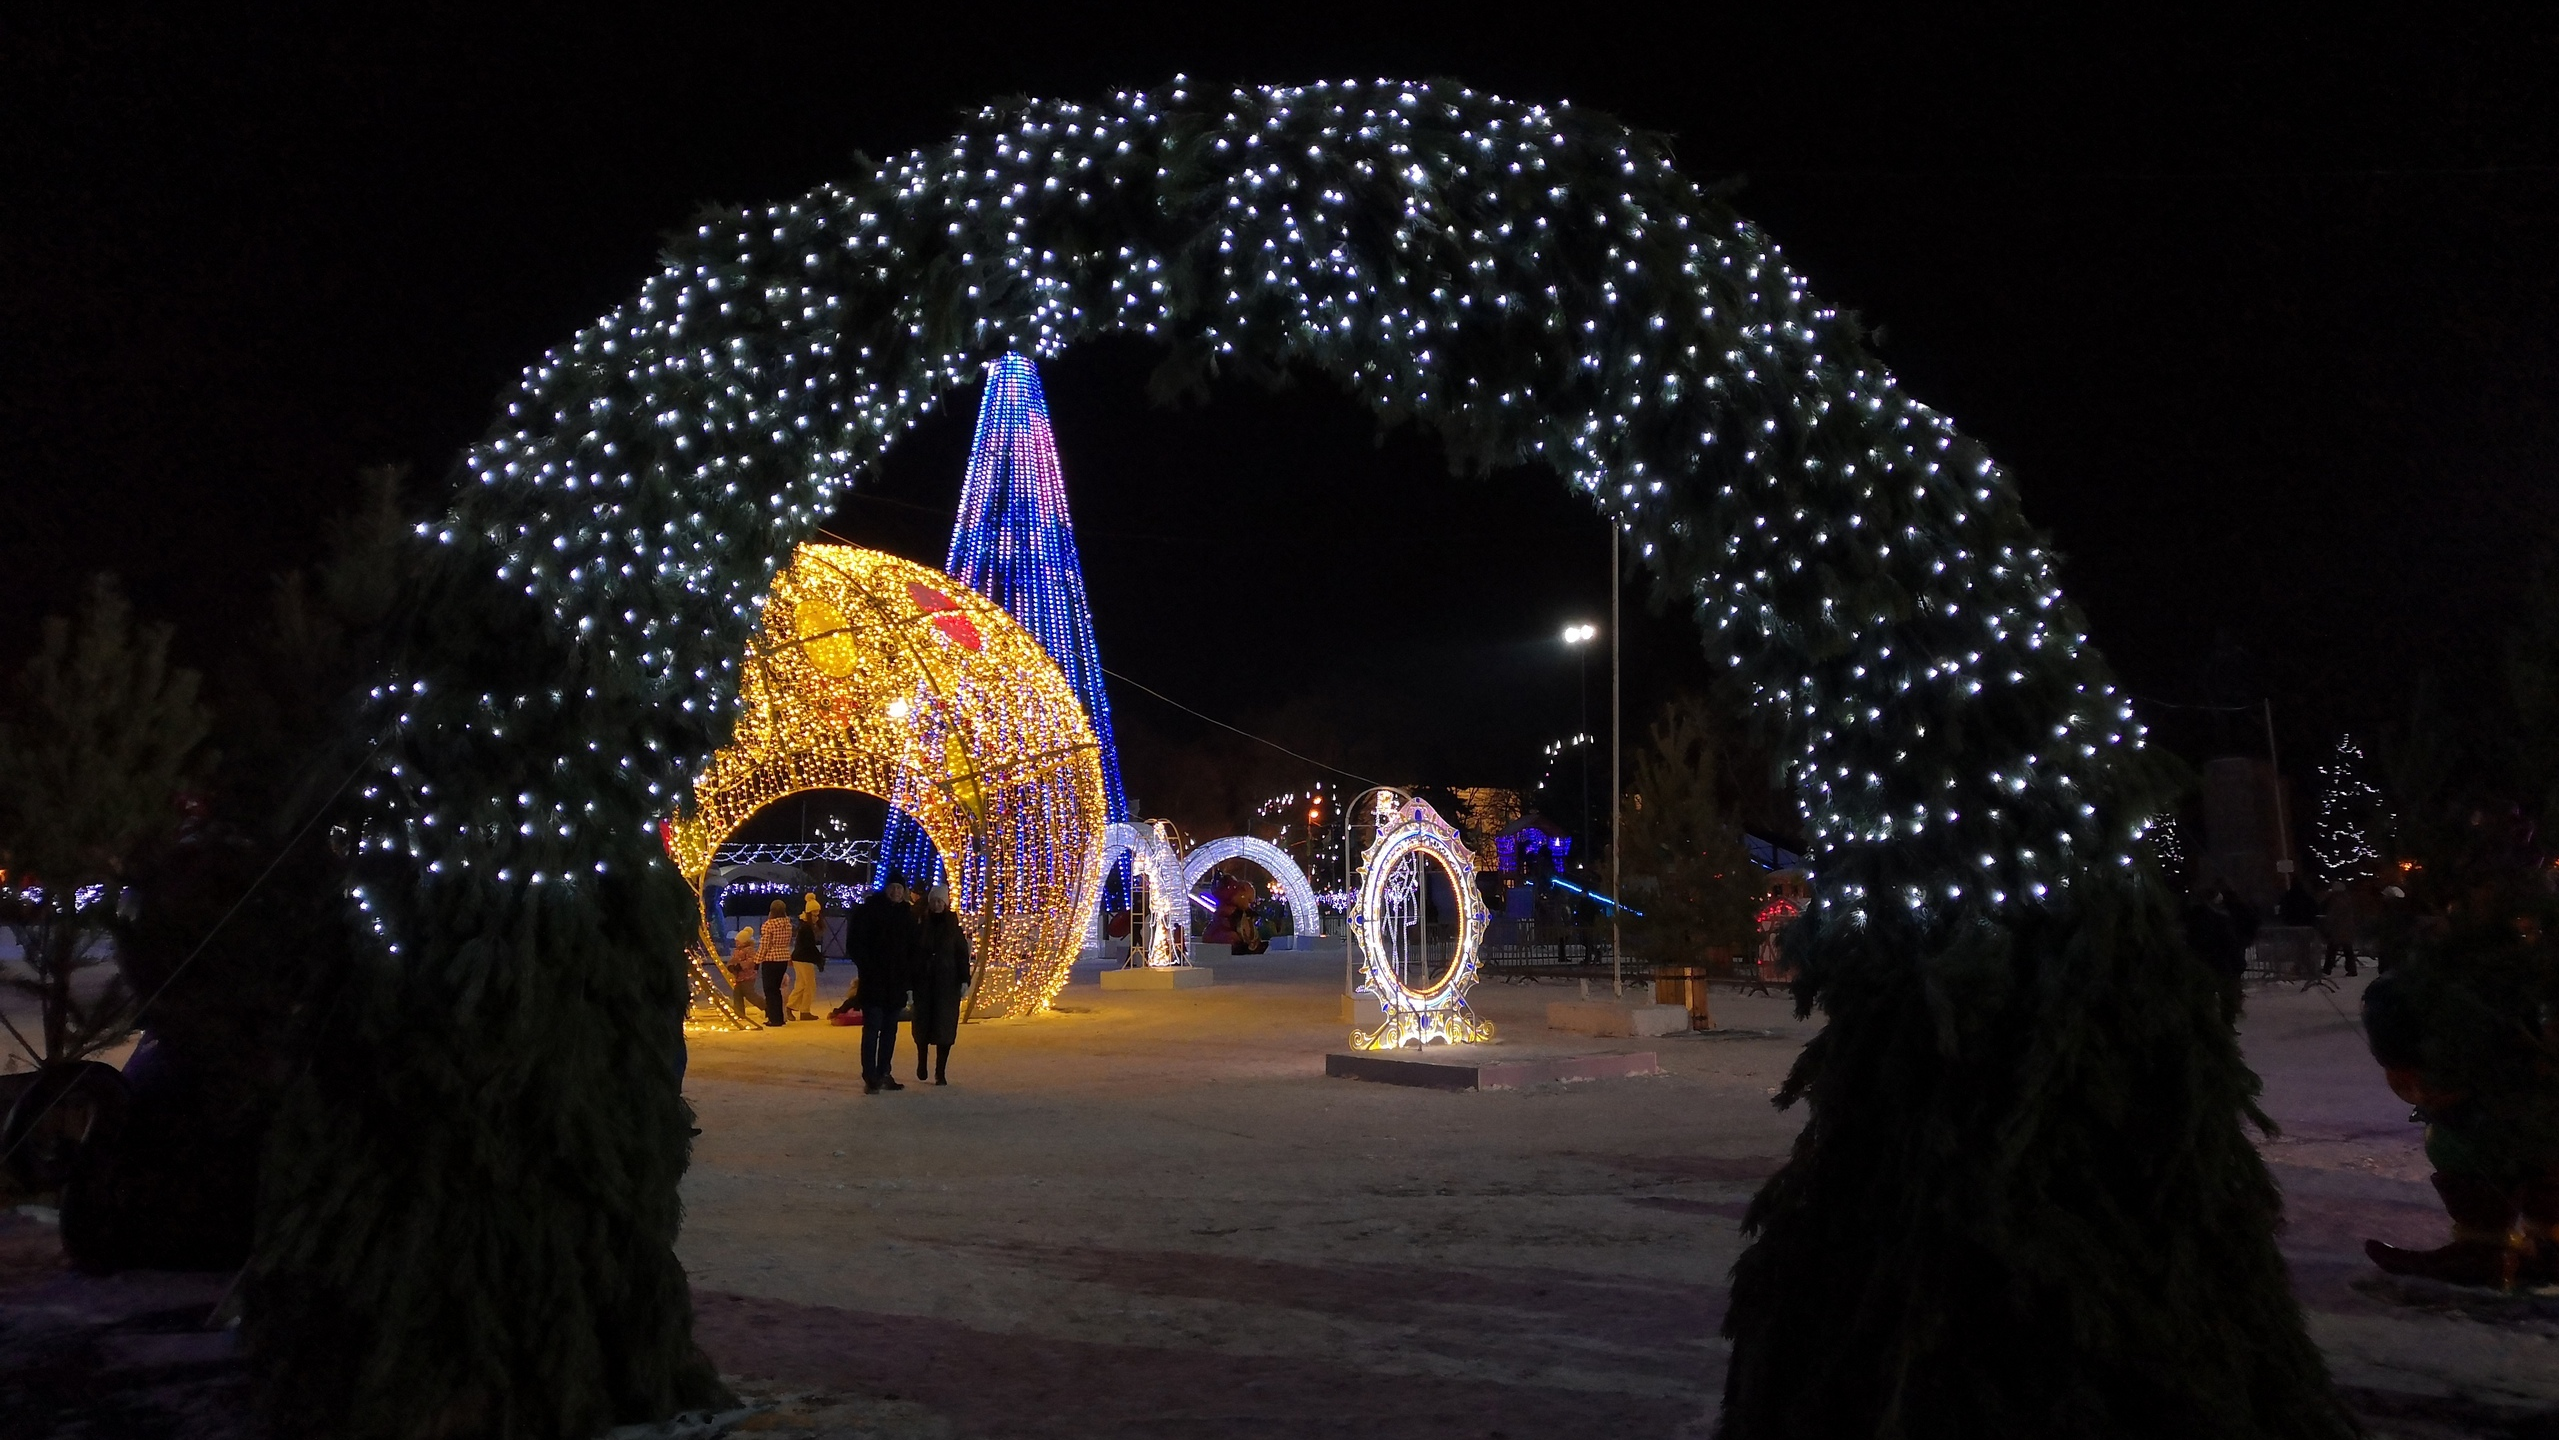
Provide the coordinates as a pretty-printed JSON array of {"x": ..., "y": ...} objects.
[
  {"x": 1275, "y": 861},
  {"x": 1439, "y": 1012},
  {"x": 1154, "y": 858}
]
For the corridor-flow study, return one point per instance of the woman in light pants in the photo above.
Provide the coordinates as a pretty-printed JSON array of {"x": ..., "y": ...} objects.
[{"x": 806, "y": 957}]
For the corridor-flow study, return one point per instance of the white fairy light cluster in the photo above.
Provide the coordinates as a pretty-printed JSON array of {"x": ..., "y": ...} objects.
[
  {"x": 1537, "y": 284},
  {"x": 2350, "y": 810}
]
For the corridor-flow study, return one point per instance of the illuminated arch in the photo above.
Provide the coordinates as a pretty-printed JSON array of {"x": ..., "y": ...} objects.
[
  {"x": 1437, "y": 1012},
  {"x": 1535, "y": 285},
  {"x": 876, "y": 674},
  {"x": 1303, "y": 914},
  {"x": 1153, "y": 857}
]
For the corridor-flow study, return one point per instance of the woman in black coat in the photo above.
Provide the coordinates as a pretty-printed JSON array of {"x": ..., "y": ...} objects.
[{"x": 941, "y": 980}]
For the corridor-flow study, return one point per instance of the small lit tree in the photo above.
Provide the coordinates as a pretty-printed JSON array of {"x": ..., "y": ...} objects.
[
  {"x": 96, "y": 741},
  {"x": 2350, "y": 810},
  {"x": 2169, "y": 846},
  {"x": 1685, "y": 856}
]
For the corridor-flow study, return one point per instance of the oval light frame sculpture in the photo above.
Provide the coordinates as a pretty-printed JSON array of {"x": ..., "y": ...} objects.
[
  {"x": 1438, "y": 1013},
  {"x": 876, "y": 674},
  {"x": 2024, "y": 1096},
  {"x": 1303, "y": 914},
  {"x": 1153, "y": 856}
]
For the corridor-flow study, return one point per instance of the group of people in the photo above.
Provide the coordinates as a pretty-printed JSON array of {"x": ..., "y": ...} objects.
[
  {"x": 906, "y": 963},
  {"x": 2221, "y": 926},
  {"x": 785, "y": 955}
]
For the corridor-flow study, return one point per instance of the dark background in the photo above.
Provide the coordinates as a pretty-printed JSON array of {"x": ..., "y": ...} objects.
[{"x": 2259, "y": 307}]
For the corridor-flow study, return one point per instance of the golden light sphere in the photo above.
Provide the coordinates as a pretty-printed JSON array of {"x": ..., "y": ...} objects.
[{"x": 875, "y": 674}]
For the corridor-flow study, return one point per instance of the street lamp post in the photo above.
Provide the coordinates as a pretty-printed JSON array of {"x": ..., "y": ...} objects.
[
  {"x": 1580, "y": 638},
  {"x": 1617, "y": 785}
]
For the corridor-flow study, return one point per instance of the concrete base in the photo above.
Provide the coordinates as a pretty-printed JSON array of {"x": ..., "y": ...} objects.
[
  {"x": 1363, "y": 1012},
  {"x": 1204, "y": 953},
  {"x": 1176, "y": 977},
  {"x": 1616, "y": 1017},
  {"x": 1470, "y": 1074}
]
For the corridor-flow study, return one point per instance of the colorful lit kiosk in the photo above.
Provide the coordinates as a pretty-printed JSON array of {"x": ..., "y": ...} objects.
[{"x": 875, "y": 674}]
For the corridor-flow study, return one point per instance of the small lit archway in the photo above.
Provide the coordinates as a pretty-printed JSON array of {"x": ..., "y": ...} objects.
[
  {"x": 1275, "y": 862},
  {"x": 1153, "y": 857},
  {"x": 876, "y": 674}
]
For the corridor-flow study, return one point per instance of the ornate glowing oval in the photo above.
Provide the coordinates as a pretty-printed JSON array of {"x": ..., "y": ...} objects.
[
  {"x": 1439, "y": 1012},
  {"x": 875, "y": 674}
]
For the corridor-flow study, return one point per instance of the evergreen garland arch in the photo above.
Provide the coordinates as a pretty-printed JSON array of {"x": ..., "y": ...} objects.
[{"x": 2023, "y": 1202}]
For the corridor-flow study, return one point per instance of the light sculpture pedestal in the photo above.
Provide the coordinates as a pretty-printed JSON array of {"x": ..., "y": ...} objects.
[
  {"x": 1164, "y": 977},
  {"x": 1617, "y": 1017},
  {"x": 1439, "y": 1013},
  {"x": 1480, "y": 1074}
]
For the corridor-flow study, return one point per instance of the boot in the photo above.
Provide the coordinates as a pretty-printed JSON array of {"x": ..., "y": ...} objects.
[
  {"x": 2483, "y": 1252},
  {"x": 2541, "y": 1267}
]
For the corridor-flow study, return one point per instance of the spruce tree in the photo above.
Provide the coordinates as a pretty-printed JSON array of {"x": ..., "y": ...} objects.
[
  {"x": 97, "y": 739},
  {"x": 1686, "y": 866},
  {"x": 2350, "y": 812}
]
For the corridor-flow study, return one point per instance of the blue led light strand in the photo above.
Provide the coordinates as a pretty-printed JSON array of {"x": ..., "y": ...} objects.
[{"x": 1014, "y": 542}]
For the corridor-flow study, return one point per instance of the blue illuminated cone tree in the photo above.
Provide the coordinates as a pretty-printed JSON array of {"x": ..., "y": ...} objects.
[{"x": 1015, "y": 544}]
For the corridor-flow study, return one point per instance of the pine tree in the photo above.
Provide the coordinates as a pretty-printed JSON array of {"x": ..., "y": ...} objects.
[
  {"x": 1685, "y": 865},
  {"x": 2350, "y": 811},
  {"x": 96, "y": 741}
]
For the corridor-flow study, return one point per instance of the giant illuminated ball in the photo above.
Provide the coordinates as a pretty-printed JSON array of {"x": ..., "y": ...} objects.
[{"x": 875, "y": 674}]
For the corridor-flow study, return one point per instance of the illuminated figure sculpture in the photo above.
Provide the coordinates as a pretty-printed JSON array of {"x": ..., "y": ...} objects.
[
  {"x": 1392, "y": 887},
  {"x": 875, "y": 674},
  {"x": 1015, "y": 544}
]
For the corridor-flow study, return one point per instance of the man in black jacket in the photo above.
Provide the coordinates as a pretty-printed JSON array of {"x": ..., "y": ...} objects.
[
  {"x": 880, "y": 939},
  {"x": 2213, "y": 940}
]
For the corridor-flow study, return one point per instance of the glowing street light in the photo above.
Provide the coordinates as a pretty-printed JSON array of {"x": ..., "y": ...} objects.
[{"x": 1579, "y": 636}]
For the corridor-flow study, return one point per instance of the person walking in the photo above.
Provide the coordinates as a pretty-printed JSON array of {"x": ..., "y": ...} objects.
[
  {"x": 941, "y": 981},
  {"x": 883, "y": 945},
  {"x": 2211, "y": 939},
  {"x": 805, "y": 960},
  {"x": 2340, "y": 920},
  {"x": 773, "y": 960},
  {"x": 742, "y": 965},
  {"x": 2295, "y": 906}
]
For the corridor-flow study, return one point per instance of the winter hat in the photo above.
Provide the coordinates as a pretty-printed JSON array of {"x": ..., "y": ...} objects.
[{"x": 938, "y": 898}]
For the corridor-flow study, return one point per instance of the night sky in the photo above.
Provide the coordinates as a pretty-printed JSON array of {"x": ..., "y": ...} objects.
[{"x": 2260, "y": 314}]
